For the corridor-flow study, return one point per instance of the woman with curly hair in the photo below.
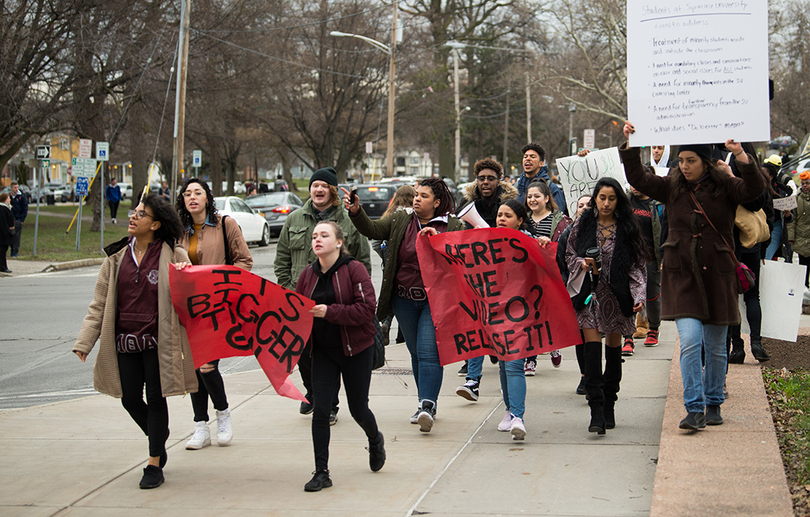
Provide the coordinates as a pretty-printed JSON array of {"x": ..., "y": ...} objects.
[
  {"x": 141, "y": 340},
  {"x": 606, "y": 251},
  {"x": 210, "y": 239},
  {"x": 403, "y": 291}
]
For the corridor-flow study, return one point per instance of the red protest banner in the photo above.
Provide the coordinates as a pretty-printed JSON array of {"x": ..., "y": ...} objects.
[
  {"x": 229, "y": 312},
  {"x": 495, "y": 291}
]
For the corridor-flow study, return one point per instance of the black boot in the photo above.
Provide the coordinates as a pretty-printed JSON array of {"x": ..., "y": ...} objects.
[
  {"x": 613, "y": 378},
  {"x": 594, "y": 383},
  {"x": 376, "y": 453},
  {"x": 758, "y": 352}
]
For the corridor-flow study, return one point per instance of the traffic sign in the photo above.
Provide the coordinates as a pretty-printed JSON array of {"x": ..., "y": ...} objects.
[
  {"x": 82, "y": 185},
  {"x": 85, "y": 148},
  {"x": 84, "y": 167},
  {"x": 589, "y": 140},
  {"x": 197, "y": 158},
  {"x": 102, "y": 151},
  {"x": 43, "y": 152}
]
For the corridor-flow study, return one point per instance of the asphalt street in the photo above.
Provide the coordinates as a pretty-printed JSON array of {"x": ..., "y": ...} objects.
[{"x": 42, "y": 315}]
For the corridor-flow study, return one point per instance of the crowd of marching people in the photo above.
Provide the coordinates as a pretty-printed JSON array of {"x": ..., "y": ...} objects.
[{"x": 663, "y": 247}]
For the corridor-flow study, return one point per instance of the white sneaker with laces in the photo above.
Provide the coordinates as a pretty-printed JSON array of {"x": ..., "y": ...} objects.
[
  {"x": 224, "y": 427},
  {"x": 506, "y": 423},
  {"x": 517, "y": 429},
  {"x": 201, "y": 437}
]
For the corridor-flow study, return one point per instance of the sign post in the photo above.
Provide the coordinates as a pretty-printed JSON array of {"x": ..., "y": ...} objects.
[
  {"x": 196, "y": 161},
  {"x": 43, "y": 153},
  {"x": 83, "y": 167},
  {"x": 369, "y": 149},
  {"x": 102, "y": 152}
]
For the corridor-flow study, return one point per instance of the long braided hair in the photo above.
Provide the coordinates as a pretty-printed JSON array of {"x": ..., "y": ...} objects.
[{"x": 440, "y": 191}]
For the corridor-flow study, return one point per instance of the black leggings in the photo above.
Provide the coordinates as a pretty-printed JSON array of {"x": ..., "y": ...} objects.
[
  {"x": 805, "y": 261},
  {"x": 305, "y": 369},
  {"x": 328, "y": 363},
  {"x": 152, "y": 416},
  {"x": 210, "y": 384},
  {"x": 753, "y": 310},
  {"x": 113, "y": 208}
]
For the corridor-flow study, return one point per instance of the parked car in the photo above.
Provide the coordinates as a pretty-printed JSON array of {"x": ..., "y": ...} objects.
[
  {"x": 375, "y": 198},
  {"x": 458, "y": 195},
  {"x": 23, "y": 188},
  {"x": 63, "y": 193},
  {"x": 276, "y": 206},
  {"x": 126, "y": 190},
  {"x": 253, "y": 225}
]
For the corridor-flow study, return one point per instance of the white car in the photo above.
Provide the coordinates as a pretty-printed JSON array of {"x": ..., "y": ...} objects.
[
  {"x": 126, "y": 190},
  {"x": 253, "y": 225}
]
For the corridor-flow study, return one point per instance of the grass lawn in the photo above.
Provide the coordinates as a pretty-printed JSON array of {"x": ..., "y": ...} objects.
[{"x": 54, "y": 245}]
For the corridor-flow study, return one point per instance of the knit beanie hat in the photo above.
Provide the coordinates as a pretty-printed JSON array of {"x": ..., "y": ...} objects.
[
  {"x": 327, "y": 174},
  {"x": 702, "y": 150}
]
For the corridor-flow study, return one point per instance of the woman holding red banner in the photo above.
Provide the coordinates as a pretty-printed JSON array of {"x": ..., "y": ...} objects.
[
  {"x": 512, "y": 214},
  {"x": 698, "y": 280},
  {"x": 141, "y": 340},
  {"x": 343, "y": 331},
  {"x": 403, "y": 290},
  {"x": 210, "y": 239},
  {"x": 606, "y": 253}
]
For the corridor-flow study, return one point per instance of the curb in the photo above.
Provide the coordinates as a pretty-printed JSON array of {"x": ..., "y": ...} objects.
[{"x": 73, "y": 264}]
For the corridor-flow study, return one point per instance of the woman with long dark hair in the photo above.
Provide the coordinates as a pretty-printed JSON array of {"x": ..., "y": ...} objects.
[
  {"x": 210, "y": 239},
  {"x": 606, "y": 251},
  {"x": 403, "y": 291},
  {"x": 343, "y": 331},
  {"x": 141, "y": 340},
  {"x": 699, "y": 284}
]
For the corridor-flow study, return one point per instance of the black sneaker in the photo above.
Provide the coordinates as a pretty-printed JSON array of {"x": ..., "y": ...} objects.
[
  {"x": 152, "y": 477},
  {"x": 376, "y": 453},
  {"x": 493, "y": 359},
  {"x": 736, "y": 356},
  {"x": 333, "y": 417},
  {"x": 713, "y": 416},
  {"x": 693, "y": 421},
  {"x": 759, "y": 353},
  {"x": 306, "y": 406},
  {"x": 425, "y": 418},
  {"x": 319, "y": 480},
  {"x": 469, "y": 390},
  {"x": 462, "y": 372}
]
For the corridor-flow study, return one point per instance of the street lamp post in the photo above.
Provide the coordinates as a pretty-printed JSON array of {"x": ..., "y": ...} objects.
[{"x": 391, "y": 51}]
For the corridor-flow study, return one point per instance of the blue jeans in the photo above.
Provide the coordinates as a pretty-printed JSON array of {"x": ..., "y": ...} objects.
[
  {"x": 513, "y": 386},
  {"x": 420, "y": 337},
  {"x": 475, "y": 367},
  {"x": 702, "y": 386},
  {"x": 776, "y": 240}
]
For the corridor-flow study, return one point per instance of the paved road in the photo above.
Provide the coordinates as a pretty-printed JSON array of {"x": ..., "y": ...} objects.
[{"x": 42, "y": 317}]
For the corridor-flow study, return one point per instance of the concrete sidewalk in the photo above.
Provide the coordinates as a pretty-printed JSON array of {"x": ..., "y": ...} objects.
[{"x": 85, "y": 457}]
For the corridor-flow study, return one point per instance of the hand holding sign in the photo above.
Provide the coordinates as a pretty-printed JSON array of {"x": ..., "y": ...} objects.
[{"x": 229, "y": 312}]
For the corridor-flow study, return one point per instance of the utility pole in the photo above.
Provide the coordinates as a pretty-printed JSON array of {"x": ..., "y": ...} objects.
[
  {"x": 528, "y": 111},
  {"x": 457, "y": 168},
  {"x": 391, "y": 92},
  {"x": 180, "y": 100}
]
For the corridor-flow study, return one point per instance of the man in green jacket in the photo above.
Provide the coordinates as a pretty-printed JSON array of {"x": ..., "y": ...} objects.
[{"x": 294, "y": 250}]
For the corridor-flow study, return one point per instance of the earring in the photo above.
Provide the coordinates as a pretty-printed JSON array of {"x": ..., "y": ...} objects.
[{"x": 338, "y": 245}]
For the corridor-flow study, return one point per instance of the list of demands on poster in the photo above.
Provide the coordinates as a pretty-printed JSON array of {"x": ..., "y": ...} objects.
[{"x": 697, "y": 71}]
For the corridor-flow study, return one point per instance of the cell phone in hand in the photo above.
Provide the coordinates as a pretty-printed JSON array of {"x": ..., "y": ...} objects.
[{"x": 353, "y": 195}]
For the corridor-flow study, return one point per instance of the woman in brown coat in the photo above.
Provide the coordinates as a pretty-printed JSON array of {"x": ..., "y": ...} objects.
[
  {"x": 141, "y": 339},
  {"x": 698, "y": 281}
]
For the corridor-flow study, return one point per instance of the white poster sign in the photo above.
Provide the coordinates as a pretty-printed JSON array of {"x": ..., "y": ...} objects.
[
  {"x": 661, "y": 171},
  {"x": 781, "y": 286},
  {"x": 785, "y": 203},
  {"x": 697, "y": 72},
  {"x": 579, "y": 175}
]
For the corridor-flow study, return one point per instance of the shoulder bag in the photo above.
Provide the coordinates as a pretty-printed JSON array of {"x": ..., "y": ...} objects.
[
  {"x": 228, "y": 258},
  {"x": 745, "y": 277}
]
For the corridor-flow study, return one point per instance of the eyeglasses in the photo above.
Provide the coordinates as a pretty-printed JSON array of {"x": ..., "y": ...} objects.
[
  {"x": 490, "y": 179},
  {"x": 140, "y": 214}
]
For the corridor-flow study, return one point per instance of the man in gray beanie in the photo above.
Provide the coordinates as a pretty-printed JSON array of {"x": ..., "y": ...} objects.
[{"x": 294, "y": 250}]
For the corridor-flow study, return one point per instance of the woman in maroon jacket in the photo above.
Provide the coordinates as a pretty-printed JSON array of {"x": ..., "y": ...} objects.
[{"x": 342, "y": 334}]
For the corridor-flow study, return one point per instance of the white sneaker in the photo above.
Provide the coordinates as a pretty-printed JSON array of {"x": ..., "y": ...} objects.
[
  {"x": 224, "y": 427},
  {"x": 113, "y": 221},
  {"x": 415, "y": 416},
  {"x": 506, "y": 423},
  {"x": 201, "y": 437},
  {"x": 517, "y": 429}
]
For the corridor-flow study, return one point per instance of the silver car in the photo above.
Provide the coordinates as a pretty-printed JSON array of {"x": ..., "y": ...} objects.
[{"x": 276, "y": 206}]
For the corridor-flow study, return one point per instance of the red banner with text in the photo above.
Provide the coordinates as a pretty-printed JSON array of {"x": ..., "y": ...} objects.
[
  {"x": 495, "y": 291},
  {"x": 229, "y": 312}
]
